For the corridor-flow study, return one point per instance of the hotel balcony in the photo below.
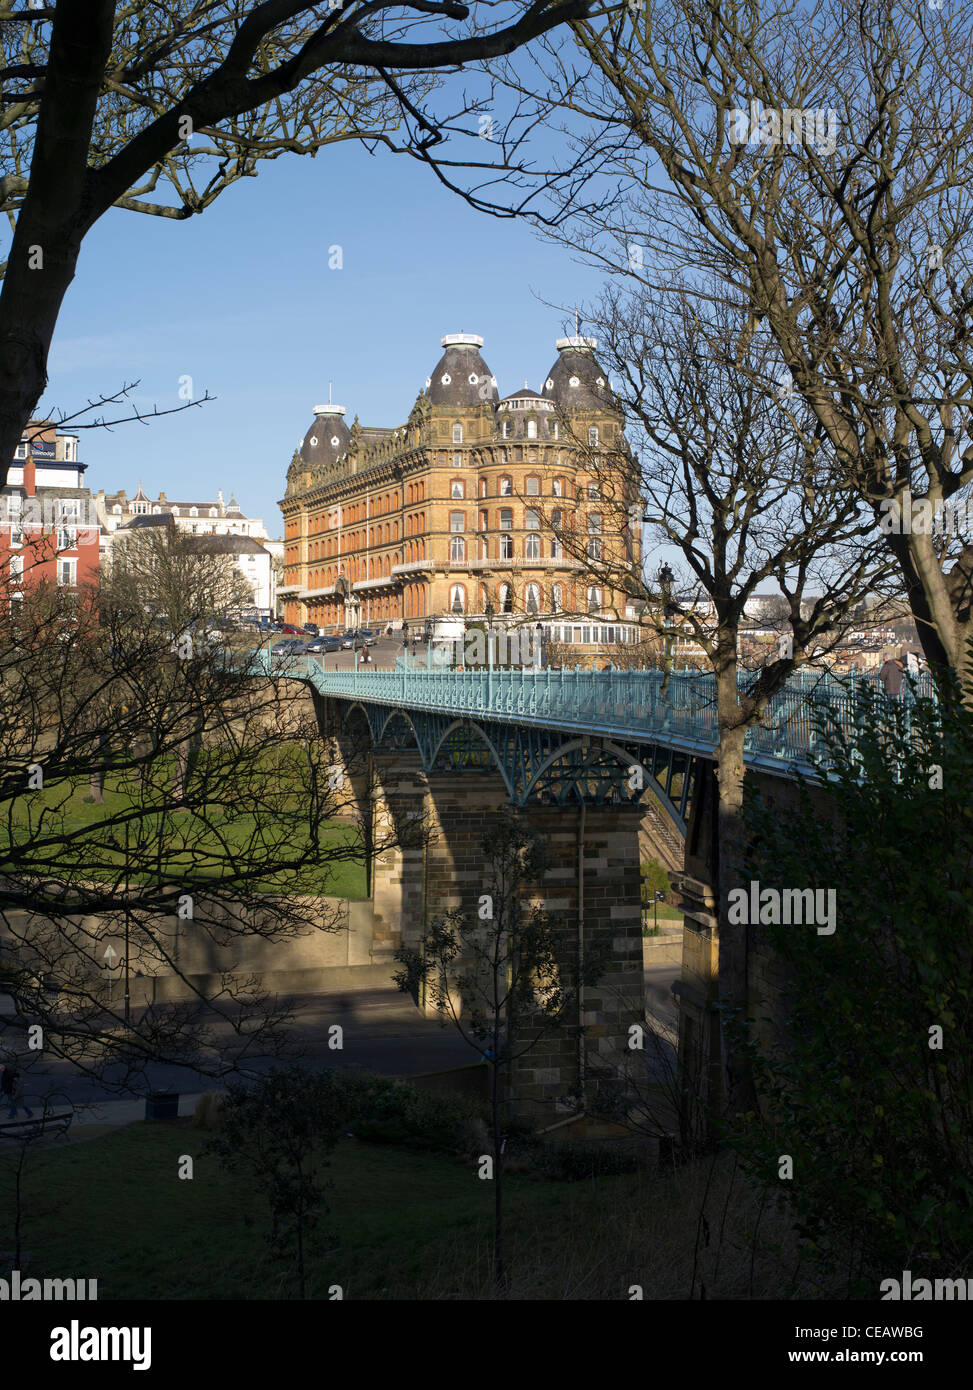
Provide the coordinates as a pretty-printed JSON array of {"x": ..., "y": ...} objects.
[
  {"x": 416, "y": 567},
  {"x": 388, "y": 581}
]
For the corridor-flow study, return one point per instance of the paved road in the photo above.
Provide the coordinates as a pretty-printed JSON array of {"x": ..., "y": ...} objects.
[{"x": 381, "y": 1031}]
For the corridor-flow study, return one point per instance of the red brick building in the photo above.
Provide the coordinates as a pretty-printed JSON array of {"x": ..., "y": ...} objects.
[{"x": 49, "y": 532}]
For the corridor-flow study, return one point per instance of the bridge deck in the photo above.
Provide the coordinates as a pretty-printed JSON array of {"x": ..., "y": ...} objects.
[{"x": 640, "y": 706}]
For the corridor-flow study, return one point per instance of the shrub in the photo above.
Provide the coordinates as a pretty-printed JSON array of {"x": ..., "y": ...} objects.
[
  {"x": 384, "y": 1111},
  {"x": 868, "y": 1082}
]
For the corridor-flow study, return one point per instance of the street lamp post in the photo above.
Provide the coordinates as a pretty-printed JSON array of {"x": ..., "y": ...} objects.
[{"x": 666, "y": 578}]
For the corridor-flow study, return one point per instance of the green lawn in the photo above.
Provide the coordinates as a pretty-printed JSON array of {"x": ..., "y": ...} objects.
[
  {"x": 404, "y": 1225},
  {"x": 207, "y": 847}
]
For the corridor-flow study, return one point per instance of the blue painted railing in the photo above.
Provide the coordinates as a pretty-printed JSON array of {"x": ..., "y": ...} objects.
[{"x": 627, "y": 705}]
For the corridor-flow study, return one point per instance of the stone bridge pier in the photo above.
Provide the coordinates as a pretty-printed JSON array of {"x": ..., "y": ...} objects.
[{"x": 427, "y": 830}]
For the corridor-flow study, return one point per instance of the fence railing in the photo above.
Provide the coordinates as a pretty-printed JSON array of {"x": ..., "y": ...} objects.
[{"x": 679, "y": 708}]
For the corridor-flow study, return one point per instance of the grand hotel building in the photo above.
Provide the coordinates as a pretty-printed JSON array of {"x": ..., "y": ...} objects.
[{"x": 477, "y": 505}]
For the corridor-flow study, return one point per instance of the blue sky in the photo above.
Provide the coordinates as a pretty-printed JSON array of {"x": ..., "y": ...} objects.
[{"x": 241, "y": 300}]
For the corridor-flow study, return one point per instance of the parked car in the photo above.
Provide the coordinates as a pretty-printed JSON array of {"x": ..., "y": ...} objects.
[
  {"x": 359, "y": 636},
  {"x": 324, "y": 644},
  {"x": 313, "y": 629},
  {"x": 347, "y": 641},
  {"x": 289, "y": 646}
]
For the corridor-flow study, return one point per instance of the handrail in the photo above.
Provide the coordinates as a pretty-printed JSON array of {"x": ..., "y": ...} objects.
[{"x": 678, "y": 710}]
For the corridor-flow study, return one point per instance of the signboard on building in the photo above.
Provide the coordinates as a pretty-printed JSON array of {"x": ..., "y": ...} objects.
[{"x": 44, "y": 449}]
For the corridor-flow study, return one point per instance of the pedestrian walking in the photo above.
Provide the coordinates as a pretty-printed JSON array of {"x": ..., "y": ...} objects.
[
  {"x": 13, "y": 1092},
  {"x": 891, "y": 676}
]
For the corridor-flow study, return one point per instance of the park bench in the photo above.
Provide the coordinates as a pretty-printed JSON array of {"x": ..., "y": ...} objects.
[{"x": 37, "y": 1125}]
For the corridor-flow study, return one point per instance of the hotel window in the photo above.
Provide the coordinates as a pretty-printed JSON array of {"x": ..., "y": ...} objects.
[
  {"x": 533, "y": 487},
  {"x": 532, "y": 519},
  {"x": 213, "y": 511},
  {"x": 456, "y": 488},
  {"x": 194, "y": 511},
  {"x": 557, "y": 488},
  {"x": 532, "y": 547},
  {"x": 16, "y": 568},
  {"x": 457, "y": 550},
  {"x": 594, "y": 523},
  {"x": 457, "y": 599},
  {"x": 484, "y": 548},
  {"x": 67, "y": 573},
  {"x": 556, "y": 429},
  {"x": 483, "y": 487},
  {"x": 506, "y": 487},
  {"x": 457, "y": 460},
  {"x": 592, "y": 435},
  {"x": 506, "y": 547},
  {"x": 594, "y": 601},
  {"x": 175, "y": 511},
  {"x": 594, "y": 547},
  {"x": 484, "y": 521},
  {"x": 505, "y": 597},
  {"x": 557, "y": 599},
  {"x": 506, "y": 519},
  {"x": 457, "y": 434},
  {"x": 531, "y": 429},
  {"x": 457, "y": 521},
  {"x": 594, "y": 492},
  {"x": 506, "y": 429},
  {"x": 69, "y": 447},
  {"x": 532, "y": 598},
  {"x": 21, "y": 450}
]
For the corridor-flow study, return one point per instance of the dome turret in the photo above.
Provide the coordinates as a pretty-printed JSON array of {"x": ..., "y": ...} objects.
[
  {"x": 327, "y": 438},
  {"x": 576, "y": 382},
  {"x": 461, "y": 378}
]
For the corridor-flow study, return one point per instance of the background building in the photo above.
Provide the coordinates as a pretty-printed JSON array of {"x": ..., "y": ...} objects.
[
  {"x": 48, "y": 526},
  {"x": 204, "y": 518},
  {"x": 477, "y": 505}
]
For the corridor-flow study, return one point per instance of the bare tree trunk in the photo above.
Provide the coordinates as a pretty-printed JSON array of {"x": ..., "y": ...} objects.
[
  {"x": 55, "y": 214},
  {"x": 734, "y": 937}
]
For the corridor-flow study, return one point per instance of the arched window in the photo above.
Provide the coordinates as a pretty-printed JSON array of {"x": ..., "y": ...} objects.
[
  {"x": 175, "y": 511},
  {"x": 532, "y": 598},
  {"x": 457, "y": 434},
  {"x": 457, "y": 550},
  {"x": 457, "y": 599},
  {"x": 213, "y": 511},
  {"x": 532, "y": 486},
  {"x": 594, "y": 599},
  {"x": 194, "y": 511},
  {"x": 532, "y": 546},
  {"x": 506, "y": 429},
  {"x": 505, "y": 598},
  {"x": 592, "y": 435},
  {"x": 557, "y": 487},
  {"x": 557, "y": 598},
  {"x": 506, "y": 487},
  {"x": 531, "y": 429}
]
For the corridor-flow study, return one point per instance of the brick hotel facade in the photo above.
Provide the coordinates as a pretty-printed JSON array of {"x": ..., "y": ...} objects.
[{"x": 458, "y": 511}]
